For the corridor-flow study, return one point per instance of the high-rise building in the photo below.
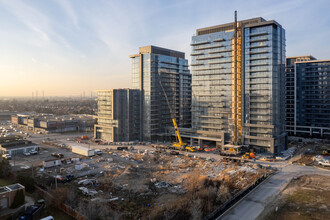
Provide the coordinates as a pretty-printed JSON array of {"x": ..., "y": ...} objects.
[
  {"x": 118, "y": 116},
  {"x": 154, "y": 68},
  {"x": 290, "y": 90},
  {"x": 238, "y": 84},
  {"x": 308, "y": 97}
]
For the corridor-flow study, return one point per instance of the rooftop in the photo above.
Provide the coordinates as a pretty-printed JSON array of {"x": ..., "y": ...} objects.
[
  {"x": 16, "y": 143},
  {"x": 9, "y": 188},
  {"x": 259, "y": 21},
  {"x": 313, "y": 61},
  {"x": 303, "y": 56},
  {"x": 160, "y": 51}
]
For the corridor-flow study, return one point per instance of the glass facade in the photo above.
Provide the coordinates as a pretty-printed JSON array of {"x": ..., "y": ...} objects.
[
  {"x": 290, "y": 76},
  {"x": 211, "y": 66},
  {"x": 264, "y": 86},
  {"x": 255, "y": 97},
  {"x": 118, "y": 115},
  {"x": 151, "y": 67},
  {"x": 312, "y": 98}
]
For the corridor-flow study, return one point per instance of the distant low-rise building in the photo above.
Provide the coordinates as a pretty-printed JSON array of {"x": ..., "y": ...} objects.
[
  {"x": 14, "y": 147},
  {"x": 7, "y": 195},
  {"x": 49, "y": 123}
]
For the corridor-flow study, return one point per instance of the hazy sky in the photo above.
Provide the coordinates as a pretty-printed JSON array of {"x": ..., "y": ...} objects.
[{"x": 66, "y": 47}]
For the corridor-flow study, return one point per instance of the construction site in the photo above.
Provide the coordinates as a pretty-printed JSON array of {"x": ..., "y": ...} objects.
[
  {"x": 89, "y": 179},
  {"x": 147, "y": 184}
]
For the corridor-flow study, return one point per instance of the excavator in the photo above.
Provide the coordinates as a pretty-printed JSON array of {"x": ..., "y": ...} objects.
[{"x": 180, "y": 145}]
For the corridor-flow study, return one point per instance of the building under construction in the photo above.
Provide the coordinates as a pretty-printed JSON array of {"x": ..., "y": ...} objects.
[
  {"x": 118, "y": 116},
  {"x": 154, "y": 68},
  {"x": 238, "y": 84}
]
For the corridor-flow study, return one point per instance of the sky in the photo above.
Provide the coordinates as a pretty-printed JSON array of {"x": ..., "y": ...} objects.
[{"x": 67, "y": 47}]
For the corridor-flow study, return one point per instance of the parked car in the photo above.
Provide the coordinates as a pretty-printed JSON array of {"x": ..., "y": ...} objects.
[
  {"x": 26, "y": 153},
  {"x": 6, "y": 156},
  {"x": 98, "y": 152},
  {"x": 122, "y": 148},
  {"x": 58, "y": 155},
  {"x": 33, "y": 152}
]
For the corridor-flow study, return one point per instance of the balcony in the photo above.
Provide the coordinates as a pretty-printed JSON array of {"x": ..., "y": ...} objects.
[
  {"x": 259, "y": 39},
  {"x": 258, "y": 34},
  {"x": 259, "y": 52},
  {"x": 258, "y": 64},
  {"x": 259, "y": 58},
  {"x": 196, "y": 54},
  {"x": 258, "y": 46},
  {"x": 209, "y": 57},
  {"x": 196, "y": 64},
  {"x": 208, "y": 68},
  {"x": 199, "y": 43},
  {"x": 257, "y": 70},
  {"x": 219, "y": 40}
]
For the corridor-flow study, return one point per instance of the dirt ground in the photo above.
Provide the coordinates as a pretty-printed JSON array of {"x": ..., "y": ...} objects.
[
  {"x": 143, "y": 184},
  {"x": 306, "y": 197}
]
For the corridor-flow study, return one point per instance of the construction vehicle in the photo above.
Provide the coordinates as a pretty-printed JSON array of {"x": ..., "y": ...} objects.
[
  {"x": 180, "y": 145},
  {"x": 84, "y": 137},
  {"x": 230, "y": 150},
  {"x": 248, "y": 155},
  {"x": 326, "y": 153}
]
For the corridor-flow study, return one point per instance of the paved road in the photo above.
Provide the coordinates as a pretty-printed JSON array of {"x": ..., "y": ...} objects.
[{"x": 253, "y": 204}]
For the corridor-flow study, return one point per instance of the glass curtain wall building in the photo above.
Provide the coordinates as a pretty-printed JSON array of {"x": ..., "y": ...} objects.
[
  {"x": 118, "y": 115},
  {"x": 311, "y": 98},
  {"x": 238, "y": 84},
  {"x": 151, "y": 68},
  {"x": 290, "y": 90}
]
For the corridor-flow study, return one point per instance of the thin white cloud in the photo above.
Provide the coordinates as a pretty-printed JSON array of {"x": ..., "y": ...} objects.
[{"x": 67, "y": 7}]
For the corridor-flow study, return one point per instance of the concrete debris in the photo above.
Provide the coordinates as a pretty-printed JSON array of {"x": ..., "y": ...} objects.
[
  {"x": 231, "y": 172},
  {"x": 113, "y": 199},
  {"x": 86, "y": 191},
  {"x": 162, "y": 185},
  {"x": 247, "y": 169},
  {"x": 86, "y": 182},
  {"x": 177, "y": 161}
]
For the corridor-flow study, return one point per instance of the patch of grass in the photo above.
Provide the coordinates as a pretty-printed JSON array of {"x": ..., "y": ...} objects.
[
  {"x": 303, "y": 204},
  {"x": 5, "y": 182},
  {"x": 302, "y": 196}
]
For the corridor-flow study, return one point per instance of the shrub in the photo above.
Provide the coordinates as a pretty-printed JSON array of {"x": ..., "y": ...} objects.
[
  {"x": 4, "y": 168},
  {"x": 19, "y": 199},
  {"x": 27, "y": 182}
]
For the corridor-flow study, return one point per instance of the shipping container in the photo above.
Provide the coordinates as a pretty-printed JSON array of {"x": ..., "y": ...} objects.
[
  {"x": 52, "y": 163},
  {"x": 83, "y": 151}
]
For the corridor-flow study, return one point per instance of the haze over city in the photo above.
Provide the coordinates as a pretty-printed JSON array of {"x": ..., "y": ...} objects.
[{"x": 66, "y": 47}]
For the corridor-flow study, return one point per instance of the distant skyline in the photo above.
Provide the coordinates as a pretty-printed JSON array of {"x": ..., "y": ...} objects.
[{"x": 66, "y": 47}]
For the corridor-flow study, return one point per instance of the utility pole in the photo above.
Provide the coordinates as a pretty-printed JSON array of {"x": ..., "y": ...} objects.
[{"x": 56, "y": 182}]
